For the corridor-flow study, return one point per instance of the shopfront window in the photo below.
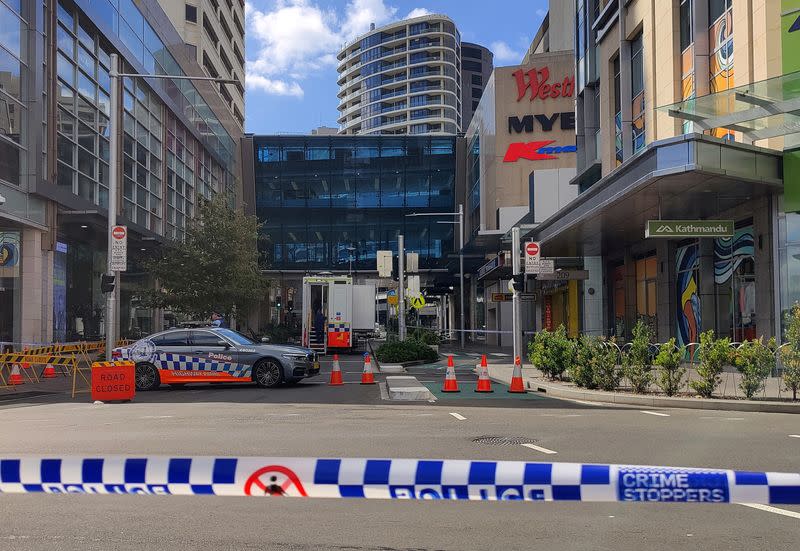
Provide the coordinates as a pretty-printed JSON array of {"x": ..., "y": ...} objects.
[
  {"x": 688, "y": 314},
  {"x": 735, "y": 285},
  {"x": 619, "y": 301},
  {"x": 646, "y": 291},
  {"x": 10, "y": 286}
]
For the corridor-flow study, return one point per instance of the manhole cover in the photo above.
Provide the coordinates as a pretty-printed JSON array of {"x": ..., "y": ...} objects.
[{"x": 503, "y": 440}]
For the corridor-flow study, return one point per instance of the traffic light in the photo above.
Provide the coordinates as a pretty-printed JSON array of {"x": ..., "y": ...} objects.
[
  {"x": 107, "y": 283},
  {"x": 290, "y": 305},
  {"x": 278, "y": 302},
  {"x": 519, "y": 282}
]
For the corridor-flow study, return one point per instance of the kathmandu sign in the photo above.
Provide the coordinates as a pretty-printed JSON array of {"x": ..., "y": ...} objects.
[{"x": 689, "y": 228}]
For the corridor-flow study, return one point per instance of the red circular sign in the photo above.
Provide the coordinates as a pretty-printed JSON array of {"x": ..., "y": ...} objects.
[
  {"x": 532, "y": 249},
  {"x": 118, "y": 232}
]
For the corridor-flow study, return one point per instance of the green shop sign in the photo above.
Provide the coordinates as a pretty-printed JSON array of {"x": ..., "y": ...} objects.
[{"x": 689, "y": 228}]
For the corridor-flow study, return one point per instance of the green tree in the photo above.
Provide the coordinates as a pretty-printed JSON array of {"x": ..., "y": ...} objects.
[
  {"x": 215, "y": 267},
  {"x": 714, "y": 355},
  {"x": 755, "y": 361},
  {"x": 790, "y": 353},
  {"x": 552, "y": 352},
  {"x": 670, "y": 372},
  {"x": 636, "y": 362},
  {"x": 604, "y": 365},
  {"x": 581, "y": 372}
]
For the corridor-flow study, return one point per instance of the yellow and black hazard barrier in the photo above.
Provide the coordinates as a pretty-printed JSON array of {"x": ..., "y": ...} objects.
[{"x": 68, "y": 364}]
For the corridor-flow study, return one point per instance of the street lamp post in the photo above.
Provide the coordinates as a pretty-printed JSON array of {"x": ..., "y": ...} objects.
[
  {"x": 460, "y": 222},
  {"x": 113, "y": 180}
]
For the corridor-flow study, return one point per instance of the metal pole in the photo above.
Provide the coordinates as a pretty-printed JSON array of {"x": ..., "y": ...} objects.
[
  {"x": 401, "y": 291},
  {"x": 515, "y": 265},
  {"x": 113, "y": 182},
  {"x": 461, "y": 269}
]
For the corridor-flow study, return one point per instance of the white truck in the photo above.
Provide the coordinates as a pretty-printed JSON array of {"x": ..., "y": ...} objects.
[{"x": 336, "y": 312}]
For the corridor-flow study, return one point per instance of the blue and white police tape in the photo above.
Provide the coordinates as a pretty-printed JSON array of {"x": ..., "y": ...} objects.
[{"x": 393, "y": 479}]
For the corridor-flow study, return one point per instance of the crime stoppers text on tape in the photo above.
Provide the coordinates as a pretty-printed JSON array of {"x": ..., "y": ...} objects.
[{"x": 393, "y": 479}]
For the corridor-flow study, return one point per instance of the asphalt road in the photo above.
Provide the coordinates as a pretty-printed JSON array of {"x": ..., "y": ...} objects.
[{"x": 312, "y": 419}]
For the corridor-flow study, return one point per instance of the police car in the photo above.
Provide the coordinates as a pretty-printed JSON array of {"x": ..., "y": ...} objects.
[{"x": 214, "y": 355}]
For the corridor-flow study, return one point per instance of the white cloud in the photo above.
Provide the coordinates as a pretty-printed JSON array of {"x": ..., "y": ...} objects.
[
  {"x": 541, "y": 13},
  {"x": 274, "y": 87},
  {"x": 296, "y": 38},
  {"x": 418, "y": 12},
  {"x": 503, "y": 53}
]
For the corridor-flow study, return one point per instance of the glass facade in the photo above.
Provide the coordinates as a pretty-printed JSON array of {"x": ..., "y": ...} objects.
[
  {"x": 13, "y": 112},
  {"x": 319, "y": 197}
]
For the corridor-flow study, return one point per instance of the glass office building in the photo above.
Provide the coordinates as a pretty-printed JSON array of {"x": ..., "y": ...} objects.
[{"x": 331, "y": 202}]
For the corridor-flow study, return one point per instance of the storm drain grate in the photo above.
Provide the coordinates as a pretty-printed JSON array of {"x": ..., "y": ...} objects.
[{"x": 503, "y": 440}]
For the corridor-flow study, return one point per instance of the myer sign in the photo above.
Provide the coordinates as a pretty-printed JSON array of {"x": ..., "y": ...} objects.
[{"x": 689, "y": 228}]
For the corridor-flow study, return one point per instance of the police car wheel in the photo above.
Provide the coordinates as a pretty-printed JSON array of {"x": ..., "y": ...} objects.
[
  {"x": 146, "y": 377},
  {"x": 267, "y": 373}
]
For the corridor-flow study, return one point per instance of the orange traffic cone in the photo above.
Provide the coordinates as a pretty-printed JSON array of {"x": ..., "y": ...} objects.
[
  {"x": 26, "y": 365},
  {"x": 516, "y": 378},
  {"x": 336, "y": 374},
  {"x": 484, "y": 383},
  {"x": 450, "y": 382},
  {"x": 49, "y": 372},
  {"x": 367, "y": 376},
  {"x": 16, "y": 376}
]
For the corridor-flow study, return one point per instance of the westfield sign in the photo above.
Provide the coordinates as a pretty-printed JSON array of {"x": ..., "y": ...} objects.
[{"x": 537, "y": 81}]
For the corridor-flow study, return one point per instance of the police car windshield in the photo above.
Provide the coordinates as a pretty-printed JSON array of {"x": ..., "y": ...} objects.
[{"x": 237, "y": 338}]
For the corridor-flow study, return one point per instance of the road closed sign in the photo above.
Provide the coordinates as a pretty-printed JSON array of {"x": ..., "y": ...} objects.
[
  {"x": 532, "y": 254},
  {"x": 119, "y": 249}
]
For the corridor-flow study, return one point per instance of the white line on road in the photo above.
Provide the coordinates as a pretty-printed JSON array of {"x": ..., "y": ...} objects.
[
  {"x": 655, "y": 413},
  {"x": 585, "y": 403},
  {"x": 794, "y": 436},
  {"x": 724, "y": 418},
  {"x": 771, "y": 509},
  {"x": 458, "y": 416},
  {"x": 539, "y": 449},
  {"x": 499, "y": 355}
]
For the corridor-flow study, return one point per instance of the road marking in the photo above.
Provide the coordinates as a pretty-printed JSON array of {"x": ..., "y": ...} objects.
[
  {"x": 771, "y": 509},
  {"x": 384, "y": 391},
  {"x": 585, "y": 403},
  {"x": 655, "y": 413},
  {"x": 724, "y": 418},
  {"x": 539, "y": 449},
  {"x": 499, "y": 355},
  {"x": 794, "y": 436},
  {"x": 458, "y": 416},
  {"x": 157, "y": 416}
]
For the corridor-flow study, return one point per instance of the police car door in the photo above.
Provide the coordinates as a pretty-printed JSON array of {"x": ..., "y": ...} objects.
[
  {"x": 217, "y": 357},
  {"x": 170, "y": 348}
]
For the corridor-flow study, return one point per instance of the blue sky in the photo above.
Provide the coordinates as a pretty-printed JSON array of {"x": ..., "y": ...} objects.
[{"x": 292, "y": 45}]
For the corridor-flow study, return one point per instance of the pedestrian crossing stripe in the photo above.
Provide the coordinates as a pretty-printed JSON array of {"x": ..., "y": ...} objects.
[{"x": 392, "y": 479}]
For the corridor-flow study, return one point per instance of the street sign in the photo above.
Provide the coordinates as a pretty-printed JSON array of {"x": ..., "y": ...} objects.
[
  {"x": 564, "y": 275},
  {"x": 689, "y": 228},
  {"x": 391, "y": 298},
  {"x": 495, "y": 263},
  {"x": 418, "y": 302},
  {"x": 532, "y": 255},
  {"x": 541, "y": 266},
  {"x": 530, "y": 297},
  {"x": 384, "y": 260},
  {"x": 119, "y": 249},
  {"x": 412, "y": 262},
  {"x": 502, "y": 297}
]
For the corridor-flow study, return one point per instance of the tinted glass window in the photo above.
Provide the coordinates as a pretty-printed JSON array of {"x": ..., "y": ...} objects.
[
  {"x": 176, "y": 338},
  {"x": 238, "y": 338},
  {"x": 206, "y": 338}
]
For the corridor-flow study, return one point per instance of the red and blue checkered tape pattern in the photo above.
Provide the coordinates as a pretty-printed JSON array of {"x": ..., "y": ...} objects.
[{"x": 394, "y": 479}]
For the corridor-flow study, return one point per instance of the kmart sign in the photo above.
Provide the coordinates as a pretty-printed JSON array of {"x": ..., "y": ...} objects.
[{"x": 689, "y": 228}]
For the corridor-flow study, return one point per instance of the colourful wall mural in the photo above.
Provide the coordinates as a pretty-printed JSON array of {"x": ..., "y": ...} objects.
[
  {"x": 729, "y": 252},
  {"x": 688, "y": 315}
]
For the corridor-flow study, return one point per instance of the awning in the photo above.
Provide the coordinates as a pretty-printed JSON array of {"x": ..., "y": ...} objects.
[
  {"x": 689, "y": 177},
  {"x": 760, "y": 110}
]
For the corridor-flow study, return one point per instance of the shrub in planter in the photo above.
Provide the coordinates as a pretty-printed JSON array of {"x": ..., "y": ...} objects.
[
  {"x": 552, "y": 352},
  {"x": 604, "y": 366},
  {"x": 754, "y": 360},
  {"x": 790, "y": 354},
  {"x": 427, "y": 336},
  {"x": 714, "y": 354},
  {"x": 636, "y": 361},
  {"x": 581, "y": 371},
  {"x": 670, "y": 372},
  {"x": 395, "y": 351}
]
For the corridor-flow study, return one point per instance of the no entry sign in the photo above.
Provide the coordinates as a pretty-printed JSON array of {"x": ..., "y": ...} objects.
[
  {"x": 119, "y": 248},
  {"x": 532, "y": 252}
]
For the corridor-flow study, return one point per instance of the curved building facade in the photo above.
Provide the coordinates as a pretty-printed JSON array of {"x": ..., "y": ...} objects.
[{"x": 402, "y": 78}]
